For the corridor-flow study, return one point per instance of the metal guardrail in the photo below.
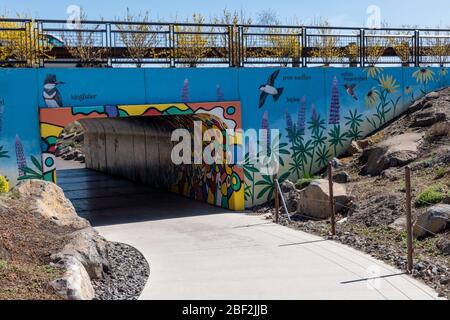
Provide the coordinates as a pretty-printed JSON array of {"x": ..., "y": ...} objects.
[{"x": 117, "y": 43}]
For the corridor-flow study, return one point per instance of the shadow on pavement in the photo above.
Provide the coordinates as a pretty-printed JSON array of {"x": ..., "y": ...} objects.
[{"x": 106, "y": 200}]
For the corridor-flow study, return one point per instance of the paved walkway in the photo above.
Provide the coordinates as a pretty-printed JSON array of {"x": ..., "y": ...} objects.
[{"x": 196, "y": 251}]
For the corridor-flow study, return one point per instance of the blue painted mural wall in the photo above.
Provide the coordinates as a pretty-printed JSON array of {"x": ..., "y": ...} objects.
[{"x": 318, "y": 110}]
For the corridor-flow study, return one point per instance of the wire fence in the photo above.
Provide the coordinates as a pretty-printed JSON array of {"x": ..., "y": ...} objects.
[{"x": 35, "y": 43}]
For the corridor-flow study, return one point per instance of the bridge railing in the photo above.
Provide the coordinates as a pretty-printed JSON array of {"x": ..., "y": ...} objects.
[
  {"x": 15, "y": 42},
  {"x": 263, "y": 45},
  {"x": 28, "y": 43}
]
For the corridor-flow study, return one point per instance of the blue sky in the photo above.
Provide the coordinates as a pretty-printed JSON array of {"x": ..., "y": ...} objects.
[{"x": 425, "y": 13}]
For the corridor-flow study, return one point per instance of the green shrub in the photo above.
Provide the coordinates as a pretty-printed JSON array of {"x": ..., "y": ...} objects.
[
  {"x": 431, "y": 195},
  {"x": 441, "y": 172},
  {"x": 304, "y": 182},
  {"x": 3, "y": 264},
  {"x": 4, "y": 185}
]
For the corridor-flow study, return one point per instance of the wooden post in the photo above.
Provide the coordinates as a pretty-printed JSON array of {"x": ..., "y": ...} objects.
[
  {"x": 409, "y": 219},
  {"x": 277, "y": 199},
  {"x": 332, "y": 205}
]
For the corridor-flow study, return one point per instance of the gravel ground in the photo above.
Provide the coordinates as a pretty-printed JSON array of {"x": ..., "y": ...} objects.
[{"x": 128, "y": 276}]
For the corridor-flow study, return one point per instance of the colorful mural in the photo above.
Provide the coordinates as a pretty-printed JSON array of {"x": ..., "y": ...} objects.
[
  {"x": 322, "y": 110},
  {"x": 220, "y": 185},
  {"x": 318, "y": 112}
]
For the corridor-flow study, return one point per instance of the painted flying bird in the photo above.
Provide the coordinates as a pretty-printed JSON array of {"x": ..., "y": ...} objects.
[
  {"x": 51, "y": 94},
  {"x": 269, "y": 90},
  {"x": 351, "y": 91}
]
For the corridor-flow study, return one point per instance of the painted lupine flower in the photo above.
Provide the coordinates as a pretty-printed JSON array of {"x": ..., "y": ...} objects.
[
  {"x": 219, "y": 93},
  {"x": 335, "y": 105},
  {"x": 301, "y": 120},
  {"x": 424, "y": 75},
  {"x": 371, "y": 98},
  {"x": 289, "y": 122},
  {"x": 20, "y": 156},
  {"x": 185, "y": 91},
  {"x": 266, "y": 138},
  {"x": 313, "y": 113},
  {"x": 2, "y": 109}
]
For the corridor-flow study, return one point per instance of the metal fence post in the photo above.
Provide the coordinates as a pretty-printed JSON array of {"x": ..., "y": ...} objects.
[
  {"x": 240, "y": 49},
  {"x": 231, "y": 55},
  {"x": 109, "y": 45},
  {"x": 304, "y": 44},
  {"x": 332, "y": 204},
  {"x": 417, "y": 48},
  {"x": 172, "y": 45},
  {"x": 277, "y": 199},
  {"x": 409, "y": 219},
  {"x": 363, "y": 48}
]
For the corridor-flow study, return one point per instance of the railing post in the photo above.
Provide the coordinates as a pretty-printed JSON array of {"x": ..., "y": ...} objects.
[
  {"x": 362, "y": 51},
  {"x": 417, "y": 48},
  {"x": 277, "y": 199},
  {"x": 240, "y": 49},
  {"x": 304, "y": 44},
  {"x": 231, "y": 55},
  {"x": 409, "y": 230},
  {"x": 40, "y": 35},
  {"x": 172, "y": 45},
  {"x": 332, "y": 204},
  {"x": 361, "y": 47},
  {"x": 109, "y": 45}
]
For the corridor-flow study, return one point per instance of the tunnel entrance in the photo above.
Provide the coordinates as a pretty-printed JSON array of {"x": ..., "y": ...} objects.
[{"x": 134, "y": 143}]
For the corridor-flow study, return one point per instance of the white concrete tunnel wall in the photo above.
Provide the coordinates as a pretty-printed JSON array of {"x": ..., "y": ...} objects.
[{"x": 137, "y": 148}]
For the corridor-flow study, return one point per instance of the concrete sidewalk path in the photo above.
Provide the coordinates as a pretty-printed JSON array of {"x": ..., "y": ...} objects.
[
  {"x": 197, "y": 251},
  {"x": 226, "y": 255}
]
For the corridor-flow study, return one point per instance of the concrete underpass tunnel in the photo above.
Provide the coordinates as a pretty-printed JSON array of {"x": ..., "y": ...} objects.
[{"x": 139, "y": 149}]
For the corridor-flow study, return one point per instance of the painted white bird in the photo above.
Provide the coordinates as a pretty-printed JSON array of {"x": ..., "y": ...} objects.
[{"x": 269, "y": 89}]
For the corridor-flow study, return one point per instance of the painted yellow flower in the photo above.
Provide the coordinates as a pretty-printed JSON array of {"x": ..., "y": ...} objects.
[
  {"x": 373, "y": 72},
  {"x": 424, "y": 75},
  {"x": 4, "y": 185},
  {"x": 372, "y": 98},
  {"x": 443, "y": 72},
  {"x": 389, "y": 83},
  {"x": 408, "y": 90}
]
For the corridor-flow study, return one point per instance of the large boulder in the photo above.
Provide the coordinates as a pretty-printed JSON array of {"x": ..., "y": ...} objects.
[
  {"x": 432, "y": 96},
  {"x": 314, "y": 200},
  {"x": 287, "y": 186},
  {"x": 427, "y": 119},
  {"x": 47, "y": 200},
  {"x": 394, "y": 152},
  {"x": 290, "y": 195},
  {"x": 439, "y": 129},
  {"x": 341, "y": 177},
  {"x": 433, "y": 221},
  {"x": 75, "y": 284},
  {"x": 443, "y": 245},
  {"x": 88, "y": 247}
]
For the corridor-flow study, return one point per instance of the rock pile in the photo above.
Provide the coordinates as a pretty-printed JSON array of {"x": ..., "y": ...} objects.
[
  {"x": 87, "y": 258},
  {"x": 70, "y": 143},
  {"x": 313, "y": 201}
]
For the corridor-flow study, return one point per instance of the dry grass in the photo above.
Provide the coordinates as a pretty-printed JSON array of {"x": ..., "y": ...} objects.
[{"x": 26, "y": 244}]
